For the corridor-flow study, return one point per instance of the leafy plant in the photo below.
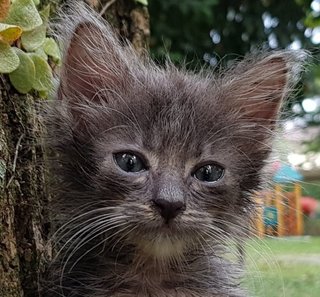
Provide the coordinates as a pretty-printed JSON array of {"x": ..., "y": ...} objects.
[{"x": 25, "y": 50}]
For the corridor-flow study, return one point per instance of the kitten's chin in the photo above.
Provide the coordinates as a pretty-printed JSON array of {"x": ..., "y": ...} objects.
[{"x": 163, "y": 247}]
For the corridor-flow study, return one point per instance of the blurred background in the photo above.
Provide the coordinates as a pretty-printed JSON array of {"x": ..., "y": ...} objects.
[{"x": 213, "y": 32}]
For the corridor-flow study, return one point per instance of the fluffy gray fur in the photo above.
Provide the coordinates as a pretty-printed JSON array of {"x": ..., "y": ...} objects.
[{"x": 110, "y": 241}]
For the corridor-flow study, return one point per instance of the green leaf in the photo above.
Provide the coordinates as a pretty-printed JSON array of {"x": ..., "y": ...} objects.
[
  {"x": 34, "y": 39},
  {"x": 9, "y": 60},
  {"x": 143, "y": 2},
  {"x": 24, "y": 14},
  {"x": 36, "y": 2},
  {"x": 40, "y": 52},
  {"x": 51, "y": 48},
  {"x": 9, "y": 33},
  {"x": 45, "y": 13},
  {"x": 31, "y": 40},
  {"x": 43, "y": 77},
  {"x": 23, "y": 77}
]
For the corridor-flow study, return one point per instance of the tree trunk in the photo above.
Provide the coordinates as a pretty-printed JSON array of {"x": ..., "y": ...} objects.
[{"x": 24, "y": 213}]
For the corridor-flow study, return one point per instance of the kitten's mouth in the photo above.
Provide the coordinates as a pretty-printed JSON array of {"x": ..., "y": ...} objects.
[
  {"x": 163, "y": 246},
  {"x": 168, "y": 227},
  {"x": 164, "y": 242}
]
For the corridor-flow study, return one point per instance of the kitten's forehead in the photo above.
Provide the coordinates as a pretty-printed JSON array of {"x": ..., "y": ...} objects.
[{"x": 171, "y": 117}]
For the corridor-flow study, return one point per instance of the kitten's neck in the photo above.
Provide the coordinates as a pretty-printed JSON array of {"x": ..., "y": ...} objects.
[{"x": 197, "y": 273}]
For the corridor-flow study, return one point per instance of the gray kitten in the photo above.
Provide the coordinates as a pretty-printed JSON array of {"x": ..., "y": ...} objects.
[{"x": 155, "y": 166}]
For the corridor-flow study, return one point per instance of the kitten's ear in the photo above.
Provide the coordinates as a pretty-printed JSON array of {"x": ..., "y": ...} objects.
[
  {"x": 259, "y": 88},
  {"x": 92, "y": 62}
]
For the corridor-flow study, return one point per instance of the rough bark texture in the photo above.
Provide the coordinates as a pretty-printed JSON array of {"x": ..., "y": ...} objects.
[
  {"x": 24, "y": 216},
  {"x": 23, "y": 194},
  {"x": 130, "y": 19}
]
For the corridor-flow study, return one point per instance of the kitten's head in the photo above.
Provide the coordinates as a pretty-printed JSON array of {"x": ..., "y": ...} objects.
[{"x": 157, "y": 158}]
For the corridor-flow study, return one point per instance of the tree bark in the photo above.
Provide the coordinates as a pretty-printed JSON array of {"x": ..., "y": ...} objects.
[{"x": 24, "y": 197}]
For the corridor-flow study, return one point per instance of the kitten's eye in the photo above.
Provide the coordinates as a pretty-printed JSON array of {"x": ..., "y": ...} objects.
[
  {"x": 209, "y": 173},
  {"x": 129, "y": 162}
]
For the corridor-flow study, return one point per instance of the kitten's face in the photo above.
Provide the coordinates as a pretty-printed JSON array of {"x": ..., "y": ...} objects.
[
  {"x": 170, "y": 173},
  {"x": 156, "y": 158}
]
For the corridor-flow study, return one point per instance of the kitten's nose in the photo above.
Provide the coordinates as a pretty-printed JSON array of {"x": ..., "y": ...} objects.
[{"x": 169, "y": 209}]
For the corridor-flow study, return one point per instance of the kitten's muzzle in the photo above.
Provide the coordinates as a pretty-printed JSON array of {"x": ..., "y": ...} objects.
[
  {"x": 169, "y": 198},
  {"x": 169, "y": 209}
]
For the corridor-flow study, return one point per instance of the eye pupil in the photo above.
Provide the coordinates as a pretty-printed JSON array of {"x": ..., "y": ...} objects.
[
  {"x": 129, "y": 162},
  {"x": 209, "y": 173}
]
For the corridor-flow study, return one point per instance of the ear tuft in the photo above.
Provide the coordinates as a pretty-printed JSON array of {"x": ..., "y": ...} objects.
[
  {"x": 93, "y": 58},
  {"x": 78, "y": 73},
  {"x": 259, "y": 86}
]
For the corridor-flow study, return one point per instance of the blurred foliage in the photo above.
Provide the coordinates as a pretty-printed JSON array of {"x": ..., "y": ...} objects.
[
  {"x": 216, "y": 28},
  {"x": 216, "y": 31}
]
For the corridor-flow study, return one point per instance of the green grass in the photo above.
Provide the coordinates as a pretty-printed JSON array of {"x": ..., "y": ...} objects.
[{"x": 284, "y": 267}]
